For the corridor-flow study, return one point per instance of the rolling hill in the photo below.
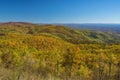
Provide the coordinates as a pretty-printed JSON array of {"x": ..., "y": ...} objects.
[
  {"x": 54, "y": 52},
  {"x": 72, "y": 35}
]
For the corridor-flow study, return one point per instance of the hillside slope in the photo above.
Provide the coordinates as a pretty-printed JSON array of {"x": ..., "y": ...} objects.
[
  {"x": 48, "y": 52},
  {"x": 75, "y": 36}
]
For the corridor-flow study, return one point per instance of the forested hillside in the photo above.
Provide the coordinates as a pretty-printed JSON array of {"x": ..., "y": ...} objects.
[{"x": 49, "y": 52}]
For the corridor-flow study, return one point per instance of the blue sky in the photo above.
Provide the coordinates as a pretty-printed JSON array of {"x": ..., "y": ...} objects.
[{"x": 60, "y": 11}]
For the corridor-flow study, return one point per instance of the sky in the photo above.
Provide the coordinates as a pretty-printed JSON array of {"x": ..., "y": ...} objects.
[{"x": 60, "y": 11}]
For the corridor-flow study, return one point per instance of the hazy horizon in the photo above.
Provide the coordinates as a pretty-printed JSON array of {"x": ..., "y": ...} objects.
[{"x": 53, "y": 23}]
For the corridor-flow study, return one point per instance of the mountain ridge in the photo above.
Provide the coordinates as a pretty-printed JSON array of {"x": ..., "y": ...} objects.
[{"x": 72, "y": 35}]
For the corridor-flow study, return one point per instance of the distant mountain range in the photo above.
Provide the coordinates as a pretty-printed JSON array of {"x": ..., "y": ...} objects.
[{"x": 99, "y": 27}]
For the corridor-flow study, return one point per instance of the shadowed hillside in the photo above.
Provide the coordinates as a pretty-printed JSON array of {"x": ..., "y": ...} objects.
[{"x": 75, "y": 36}]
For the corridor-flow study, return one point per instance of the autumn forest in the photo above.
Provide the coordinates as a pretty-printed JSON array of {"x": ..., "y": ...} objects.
[{"x": 55, "y": 52}]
